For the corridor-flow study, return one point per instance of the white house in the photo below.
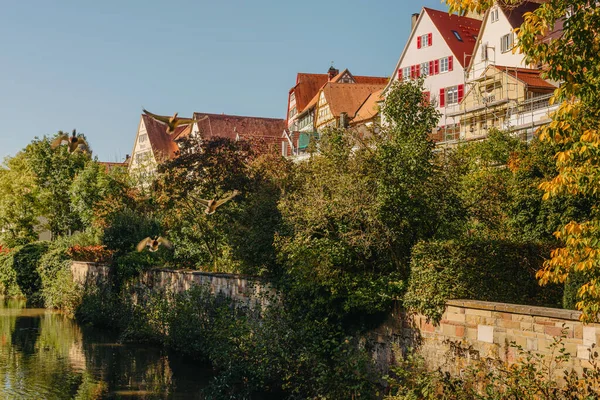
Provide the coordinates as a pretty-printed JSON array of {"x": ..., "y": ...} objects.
[
  {"x": 439, "y": 47},
  {"x": 497, "y": 38}
]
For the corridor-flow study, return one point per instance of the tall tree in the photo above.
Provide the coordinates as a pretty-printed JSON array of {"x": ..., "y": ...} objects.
[{"x": 570, "y": 55}]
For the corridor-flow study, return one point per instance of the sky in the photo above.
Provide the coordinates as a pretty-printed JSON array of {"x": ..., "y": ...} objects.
[{"x": 92, "y": 65}]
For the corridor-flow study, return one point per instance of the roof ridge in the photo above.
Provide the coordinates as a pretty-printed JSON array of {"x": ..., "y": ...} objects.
[{"x": 236, "y": 116}]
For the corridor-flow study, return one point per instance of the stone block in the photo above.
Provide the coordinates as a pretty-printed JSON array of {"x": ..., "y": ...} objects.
[
  {"x": 455, "y": 310},
  {"x": 532, "y": 344},
  {"x": 508, "y": 324},
  {"x": 456, "y": 317},
  {"x": 471, "y": 333},
  {"x": 583, "y": 352},
  {"x": 460, "y": 331},
  {"x": 481, "y": 313},
  {"x": 448, "y": 330},
  {"x": 485, "y": 333},
  {"x": 589, "y": 336}
]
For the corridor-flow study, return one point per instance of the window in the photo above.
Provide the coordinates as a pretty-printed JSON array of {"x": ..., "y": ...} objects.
[
  {"x": 425, "y": 68},
  {"x": 506, "y": 43},
  {"x": 406, "y": 73},
  {"x": 452, "y": 95},
  {"x": 443, "y": 65},
  {"x": 292, "y": 112},
  {"x": 142, "y": 138},
  {"x": 292, "y": 97},
  {"x": 484, "y": 51},
  {"x": 457, "y": 35},
  {"x": 424, "y": 40},
  {"x": 494, "y": 14},
  {"x": 284, "y": 151}
]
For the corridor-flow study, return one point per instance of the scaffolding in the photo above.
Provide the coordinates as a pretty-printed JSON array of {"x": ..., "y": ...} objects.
[{"x": 496, "y": 98}]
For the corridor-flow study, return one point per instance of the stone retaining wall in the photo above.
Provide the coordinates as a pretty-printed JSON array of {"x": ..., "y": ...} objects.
[
  {"x": 473, "y": 331},
  {"x": 244, "y": 289}
]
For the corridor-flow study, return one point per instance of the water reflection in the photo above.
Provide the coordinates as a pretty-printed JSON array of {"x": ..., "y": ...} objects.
[{"x": 43, "y": 354}]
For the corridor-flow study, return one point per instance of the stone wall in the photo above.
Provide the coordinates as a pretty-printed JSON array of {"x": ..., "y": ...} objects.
[
  {"x": 473, "y": 331},
  {"x": 246, "y": 290}
]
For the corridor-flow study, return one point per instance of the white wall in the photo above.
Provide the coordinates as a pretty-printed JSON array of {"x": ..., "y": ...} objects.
[
  {"x": 438, "y": 50},
  {"x": 492, "y": 34}
]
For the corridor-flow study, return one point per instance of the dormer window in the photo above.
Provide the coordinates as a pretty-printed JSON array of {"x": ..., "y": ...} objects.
[
  {"x": 457, "y": 35},
  {"x": 424, "y": 40}
]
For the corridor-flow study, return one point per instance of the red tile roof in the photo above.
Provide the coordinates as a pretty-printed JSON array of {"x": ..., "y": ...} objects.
[
  {"x": 162, "y": 143},
  {"x": 307, "y": 85},
  {"x": 232, "y": 126},
  {"x": 467, "y": 28},
  {"x": 348, "y": 97},
  {"x": 369, "y": 109},
  {"x": 531, "y": 77},
  {"x": 514, "y": 15}
]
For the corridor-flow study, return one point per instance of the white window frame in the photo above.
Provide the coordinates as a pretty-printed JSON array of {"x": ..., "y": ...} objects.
[
  {"x": 444, "y": 65},
  {"x": 425, "y": 40},
  {"x": 425, "y": 68},
  {"x": 506, "y": 43},
  {"x": 406, "y": 73},
  {"x": 451, "y": 94},
  {"x": 494, "y": 15}
]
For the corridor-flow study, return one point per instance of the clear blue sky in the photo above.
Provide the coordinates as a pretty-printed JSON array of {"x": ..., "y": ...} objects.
[{"x": 92, "y": 65}]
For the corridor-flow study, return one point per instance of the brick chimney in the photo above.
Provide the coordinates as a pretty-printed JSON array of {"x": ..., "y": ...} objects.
[{"x": 332, "y": 72}]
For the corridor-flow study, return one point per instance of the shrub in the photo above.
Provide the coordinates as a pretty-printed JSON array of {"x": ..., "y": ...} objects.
[
  {"x": 96, "y": 253},
  {"x": 476, "y": 269},
  {"x": 18, "y": 271}
]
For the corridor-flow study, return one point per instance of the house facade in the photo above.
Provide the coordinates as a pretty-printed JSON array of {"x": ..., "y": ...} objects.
[
  {"x": 506, "y": 98},
  {"x": 439, "y": 48},
  {"x": 310, "y": 106}
]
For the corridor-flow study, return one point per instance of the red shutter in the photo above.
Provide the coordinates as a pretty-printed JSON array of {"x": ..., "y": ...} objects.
[
  {"x": 426, "y": 97},
  {"x": 412, "y": 71},
  {"x": 461, "y": 92},
  {"x": 431, "y": 70},
  {"x": 442, "y": 97},
  {"x": 417, "y": 70},
  {"x": 437, "y": 66},
  {"x": 418, "y": 42},
  {"x": 430, "y": 36},
  {"x": 399, "y": 74},
  {"x": 450, "y": 62}
]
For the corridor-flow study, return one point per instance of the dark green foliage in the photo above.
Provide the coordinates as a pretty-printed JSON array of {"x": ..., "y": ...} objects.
[
  {"x": 23, "y": 262},
  {"x": 572, "y": 285},
  {"x": 126, "y": 228},
  {"x": 272, "y": 350},
  {"x": 477, "y": 269}
]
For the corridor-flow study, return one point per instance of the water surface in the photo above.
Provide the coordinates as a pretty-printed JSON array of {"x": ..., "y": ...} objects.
[{"x": 45, "y": 355}]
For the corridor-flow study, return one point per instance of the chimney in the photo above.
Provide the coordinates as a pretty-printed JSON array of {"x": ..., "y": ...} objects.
[
  {"x": 413, "y": 21},
  {"x": 343, "y": 120},
  {"x": 332, "y": 72}
]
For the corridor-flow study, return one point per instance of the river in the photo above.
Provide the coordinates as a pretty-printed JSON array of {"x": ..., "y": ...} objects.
[{"x": 45, "y": 355}]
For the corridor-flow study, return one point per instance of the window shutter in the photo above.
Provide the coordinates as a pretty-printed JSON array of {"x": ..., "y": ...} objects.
[
  {"x": 461, "y": 92},
  {"x": 429, "y": 37},
  {"x": 431, "y": 68},
  {"x": 412, "y": 71},
  {"x": 399, "y": 74},
  {"x": 442, "y": 97},
  {"x": 437, "y": 66},
  {"x": 450, "y": 62},
  {"x": 418, "y": 42},
  {"x": 417, "y": 71},
  {"x": 426, "y": 97}
]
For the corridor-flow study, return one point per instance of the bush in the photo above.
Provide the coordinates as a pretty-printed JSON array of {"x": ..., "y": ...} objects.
[
  {"x": 476, "y": 269},
  {"x": 18, "y": 271}
]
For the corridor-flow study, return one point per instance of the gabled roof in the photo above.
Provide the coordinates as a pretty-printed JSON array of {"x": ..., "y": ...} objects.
[
  {"x": 308, "y": 85},
  {"x": 530, "y": 77},
  {"x": 513, "y": 15},
  {"x": 348, "y": 97},
  {"x": 467, "y": 28},
  {"x": 369, "y": 109},
  {"x": 161, "y": 142},
  {"x": 234, "y": 126},
  {"x": 445, "y": 24}
]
